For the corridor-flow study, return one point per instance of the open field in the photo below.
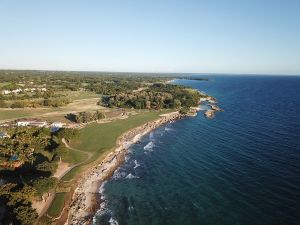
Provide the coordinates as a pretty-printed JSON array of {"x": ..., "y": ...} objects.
[
  {"x": 78, "y": 95},
  {"x": 52, "y": 113}
]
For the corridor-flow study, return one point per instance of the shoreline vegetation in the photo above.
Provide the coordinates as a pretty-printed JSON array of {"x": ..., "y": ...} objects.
[{"x": 58, "y": 173}]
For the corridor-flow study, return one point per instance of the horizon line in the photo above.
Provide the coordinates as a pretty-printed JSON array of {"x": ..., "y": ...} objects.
[{"x": 138, "y": 72}]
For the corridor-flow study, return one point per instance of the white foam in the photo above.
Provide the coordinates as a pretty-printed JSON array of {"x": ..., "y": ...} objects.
[
  {"x": 101, "y": 188},
  {"x": 149, "y": 146},
  {"x": 119, "y": 174},
  {"x": 130, "y": 208},
  {"x": 113, "y": 221},
  {"x": 130, "y": 176},
  {"x": 168, "y": 129},
  {"x": 136, "y": 165},
  {"x": 151, "y": 135}
]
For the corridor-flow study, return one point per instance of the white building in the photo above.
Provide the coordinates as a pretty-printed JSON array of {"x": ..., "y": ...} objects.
[
  {"x": 17, "y": 91},
  {"x": 33, "y": 123},
  {"x": 3, "y": 134},
  {"x": 6, "y": 92},
  {"x": 56, "y": 126}
]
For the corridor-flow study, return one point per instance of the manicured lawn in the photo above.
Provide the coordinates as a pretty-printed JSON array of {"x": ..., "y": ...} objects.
[
  {"x": 12, "y": 114},
  {"x": 57, "y": 205},
  {"x": 74, "y": 157},
  {"x": 100, "y": 137},
  {"x": 71, "y": 174}
]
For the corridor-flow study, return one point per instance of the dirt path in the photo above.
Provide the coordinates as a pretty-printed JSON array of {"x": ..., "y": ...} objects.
[{"x": 43, "y": 206}]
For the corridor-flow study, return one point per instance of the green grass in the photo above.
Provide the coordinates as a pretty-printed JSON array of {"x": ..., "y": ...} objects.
[
  {"x": 4, "y": 115},
  {"x": 57, "y": 205},
  {"x": 19, "y": 113},
  {"x": 100, "y": 137},
  {"x": 4, "y": 83},
  {"x": 78, "y": 95},
  {"x": 71, "y": 174},
  {"x": 74, "y": 157}
]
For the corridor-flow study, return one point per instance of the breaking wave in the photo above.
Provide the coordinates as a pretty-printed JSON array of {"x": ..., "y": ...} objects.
[
  {"x": 149, "y": 146},
  {"x": 136, "y": 164}
]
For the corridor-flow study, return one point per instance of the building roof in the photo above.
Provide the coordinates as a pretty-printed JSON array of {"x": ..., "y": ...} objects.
[{"x": 3, "y": 134}]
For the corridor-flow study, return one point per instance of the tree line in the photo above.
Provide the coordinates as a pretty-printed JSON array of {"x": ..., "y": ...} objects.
[
  {"x": 156, "y": 96},
  {"x": 87, "y": 116},
  {"x": 28, "y": 160}
]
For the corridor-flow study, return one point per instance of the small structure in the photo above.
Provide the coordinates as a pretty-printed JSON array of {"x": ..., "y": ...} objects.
[
  {"x": 5, "y": 125},
  {"x": 31, "y": 122},
  {"x": 3, "y": 134},
  {"x": 55, "y": 126},
  {"x": 6, "y": 92}
]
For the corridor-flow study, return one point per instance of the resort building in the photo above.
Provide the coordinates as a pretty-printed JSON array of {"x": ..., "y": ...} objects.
[
  {"x": 30, "y": 122},
  {"x": 3, "y": 134},
  {"x": 56, "y": 126}
]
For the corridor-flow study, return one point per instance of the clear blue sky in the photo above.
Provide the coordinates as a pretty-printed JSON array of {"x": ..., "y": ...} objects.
[{"x": 222, "y": 36}]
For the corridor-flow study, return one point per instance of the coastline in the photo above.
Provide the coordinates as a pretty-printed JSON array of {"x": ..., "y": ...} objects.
[{"x": 86, "y": 196}]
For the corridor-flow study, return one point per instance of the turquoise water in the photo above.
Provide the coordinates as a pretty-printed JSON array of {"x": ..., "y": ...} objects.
[{"x": 243, "y": 167}]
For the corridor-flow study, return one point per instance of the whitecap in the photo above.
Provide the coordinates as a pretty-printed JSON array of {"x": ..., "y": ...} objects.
[
  {"x": 113, "y": 221},
  {"x": 136, "y": 164},
  {"x": 151, "y": 135},
  {"x": 118, "y": 174},
  {"x": 130, "y": 176},
  {"x": 130, "y": 208},
  {"x": 149, "y": 146},
  {"x": 168, "y": 129},
  {"x": 102, "y": 188}
]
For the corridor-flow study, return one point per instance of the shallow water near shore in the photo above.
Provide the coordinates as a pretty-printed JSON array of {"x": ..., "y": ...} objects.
[{"x": 243, "y": 167}]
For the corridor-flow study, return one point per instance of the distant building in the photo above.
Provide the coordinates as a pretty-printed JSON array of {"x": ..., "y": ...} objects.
[
  {"x": 6, "y": 92},
  {"x": 56, "y": 126},
  {"x": 3, "y": 134},
  {"x": 19, "y": 90},
  {"x": 5, "y": 125},
  {"x": 31, "y": 122}
]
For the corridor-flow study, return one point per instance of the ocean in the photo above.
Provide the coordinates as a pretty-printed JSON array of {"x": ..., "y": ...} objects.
[{"x": 240, "y": 168}]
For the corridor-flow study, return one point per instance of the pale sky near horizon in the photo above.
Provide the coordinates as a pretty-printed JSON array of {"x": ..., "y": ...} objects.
[{"x": 213, "y": 36}]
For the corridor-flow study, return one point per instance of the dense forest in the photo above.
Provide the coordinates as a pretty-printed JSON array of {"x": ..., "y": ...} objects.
[
  {"x": 156, "y": 96},
  {"x": 28, "y": 160}
]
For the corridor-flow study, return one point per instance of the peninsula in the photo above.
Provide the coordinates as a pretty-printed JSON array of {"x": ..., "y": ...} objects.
[{"x": 64, "y": 133}]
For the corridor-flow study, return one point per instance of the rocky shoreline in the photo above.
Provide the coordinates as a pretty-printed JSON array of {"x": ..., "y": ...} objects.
[
  {"x": 86, "y": 196},
  {"x": 210, "y": 113}
]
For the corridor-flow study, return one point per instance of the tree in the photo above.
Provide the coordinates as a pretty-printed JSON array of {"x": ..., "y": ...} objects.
[
  {"x": 25, "y": 215},
  {"x": 44, "y": 184},
  {"x": 47, "y": 167},
  {"x": 177, "y": 104}
]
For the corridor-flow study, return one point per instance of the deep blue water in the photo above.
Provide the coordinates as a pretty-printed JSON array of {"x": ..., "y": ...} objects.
[{"x": 240, "y": 168}]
